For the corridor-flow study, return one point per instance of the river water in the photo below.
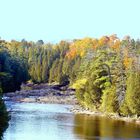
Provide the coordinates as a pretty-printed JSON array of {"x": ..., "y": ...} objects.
[{"x": 34, "y": 121}]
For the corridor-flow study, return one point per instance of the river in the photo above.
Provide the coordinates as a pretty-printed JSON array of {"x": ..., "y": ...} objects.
[{"x": 34, "y": 121}]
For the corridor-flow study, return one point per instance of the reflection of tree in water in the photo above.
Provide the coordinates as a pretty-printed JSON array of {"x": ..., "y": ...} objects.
[
  {"x": 3, "y": 118},
  {"x": 94, "y": 128},
  {"x": 87, "y": 127}
]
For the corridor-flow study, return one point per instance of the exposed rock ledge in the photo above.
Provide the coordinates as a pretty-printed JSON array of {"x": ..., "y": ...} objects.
[{"x": 49, "y": 94}]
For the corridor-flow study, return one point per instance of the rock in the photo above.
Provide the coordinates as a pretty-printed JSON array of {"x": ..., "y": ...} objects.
[{"x": 47, "y": 94}]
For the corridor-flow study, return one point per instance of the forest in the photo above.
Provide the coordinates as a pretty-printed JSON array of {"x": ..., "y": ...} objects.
[{"x": 105, "y": 72}]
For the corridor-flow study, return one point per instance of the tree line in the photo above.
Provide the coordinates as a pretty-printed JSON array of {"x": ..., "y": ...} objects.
[{"x": 105, "y": 72}]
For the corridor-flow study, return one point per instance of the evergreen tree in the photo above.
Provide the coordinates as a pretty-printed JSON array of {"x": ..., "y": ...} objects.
[
  {"x": 131, "y": 105},
  {"x": 45, "y": 69}
]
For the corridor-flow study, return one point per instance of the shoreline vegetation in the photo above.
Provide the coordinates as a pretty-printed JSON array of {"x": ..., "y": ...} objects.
[
  {"x": 56, "y": 94},
  {"x": 77, "y": 109},
  {"x": 105, "y": 73}
]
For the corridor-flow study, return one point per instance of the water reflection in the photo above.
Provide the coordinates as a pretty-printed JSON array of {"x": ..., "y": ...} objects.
[
  {"x": 3, "y": 118},
  {"x": 33, "y": 121},
  {"x": 93, "y": 128}
]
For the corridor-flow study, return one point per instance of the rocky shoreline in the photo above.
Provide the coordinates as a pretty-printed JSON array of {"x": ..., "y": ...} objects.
[
  {"x": 59, "y": 95},
  {"x": 77, "y": 109},
  {"x": 47, "y": 94}
]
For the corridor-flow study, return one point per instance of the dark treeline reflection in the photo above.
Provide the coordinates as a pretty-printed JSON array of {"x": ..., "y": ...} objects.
[
  {"x": 3, "y": 118},
  {"x": 93, "y": 128}
]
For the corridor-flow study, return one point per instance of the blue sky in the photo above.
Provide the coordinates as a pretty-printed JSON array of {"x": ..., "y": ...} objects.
[{"x": 55, "y": 20}]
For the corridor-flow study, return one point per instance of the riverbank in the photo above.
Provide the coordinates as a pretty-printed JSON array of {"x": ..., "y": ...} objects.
[
  {"x": 43, "y": 93},
  {"x": 77, "y": 109},
  {"x": 56, "y": 94}
]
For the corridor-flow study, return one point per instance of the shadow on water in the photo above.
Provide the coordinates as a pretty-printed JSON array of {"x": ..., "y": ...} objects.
[
  {"x": 96, "y": 128},
  {"x": 3, "y": 118}
]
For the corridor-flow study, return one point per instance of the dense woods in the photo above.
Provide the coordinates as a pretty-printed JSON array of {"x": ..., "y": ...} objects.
[{"x": 105, "y": 72}]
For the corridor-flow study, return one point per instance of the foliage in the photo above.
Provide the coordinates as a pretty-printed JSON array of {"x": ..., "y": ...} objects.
[
  {"x": 105, "y": 71},
  {"x": 131, "y": 105}
]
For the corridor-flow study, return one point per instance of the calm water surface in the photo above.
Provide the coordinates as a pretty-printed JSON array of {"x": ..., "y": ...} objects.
[{"x": 34, "y": 121}]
